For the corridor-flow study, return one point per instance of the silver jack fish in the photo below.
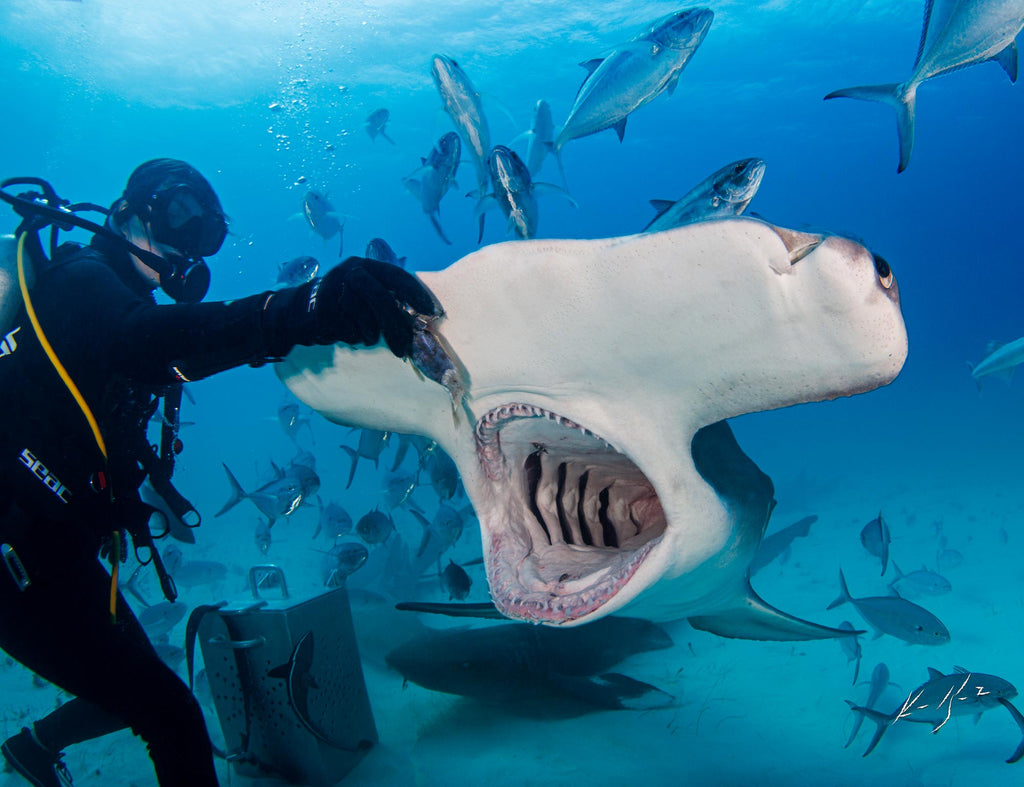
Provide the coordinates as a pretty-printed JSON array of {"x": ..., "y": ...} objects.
[
  {"x": 462, "y": 103},
  {"x": 634, "y": 74},
  {"x": 514, "y": 193},
  {"x": 956, "y": 34},
  {"x": 723, "y": 193},
  {"x": 436, "y": 177}
]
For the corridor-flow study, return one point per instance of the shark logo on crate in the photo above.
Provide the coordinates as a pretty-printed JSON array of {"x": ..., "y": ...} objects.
[{"x": 287, "y": 681}]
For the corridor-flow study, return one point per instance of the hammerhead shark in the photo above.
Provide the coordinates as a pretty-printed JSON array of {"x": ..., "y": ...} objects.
[{"x": 596, "y": 378}]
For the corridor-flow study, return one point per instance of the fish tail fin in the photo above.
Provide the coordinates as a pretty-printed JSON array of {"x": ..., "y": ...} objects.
[
  {"x": 437, "y": 226},
  {"x": 902, "y": 98},
  {"x": 1017, "y": 717},
  {"x": 355, "y": 461},
  {"x": 844, "y": 592},
  {"x": 556, "y": 152},
  {"x": 977, "y": 380},
  {"x": 237, "y": 493},
  {"x": 881, "y": 720}
]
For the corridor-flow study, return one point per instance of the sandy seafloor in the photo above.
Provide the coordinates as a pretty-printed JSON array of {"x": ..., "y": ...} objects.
[{"x": 938, "y": 458}]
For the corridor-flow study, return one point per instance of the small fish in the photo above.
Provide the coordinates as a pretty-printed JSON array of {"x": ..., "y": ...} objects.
[
  {"x": 262, "y": 536},
  {"x": 378, "y": 249},
  {"x": 397, "y": 488},
  {"x": 375, "y": 527},
  {"x": 439, "y": 534},
  {"x": 895, "y": 616},
  {"x": 322, "y": 218},
  {"x": 775, "y": 544},
  {"x": 919, "y": 583},
  {"x": 634, "y": 74},
  {"x": 298, "y": 271},
  {"x": 462, "y": 103},
  {"x": 298, "y": 677},
  {"x": 540, "y": 137},
  {"x": 436, "y": 178},
  {"x": 343, "y": 560},
  {"x": 455, "y": 581},
  {"x": 443, "y": 473},
  {"x": 851, "y": 647},
  {"x": 999, "y": 359},
  {"x": 290, "y": 417},
  {"x": 514, "y": 192},
  {"x": 434, "y": 360},
  {"x": 421, "y": 445},
  {"x": 159, "y": 619},
  {"x": 875, "y": 538},
  {"x": 724, "y": 193},
  {"x": 278, "y": 498},
  {"x": 371, "y": 444},
  {"x": 961, "y": 693},
  {"x": 334, "y": 522},
  {"x": 375, "y": 124},
  {"x": 879, "y": 683}
]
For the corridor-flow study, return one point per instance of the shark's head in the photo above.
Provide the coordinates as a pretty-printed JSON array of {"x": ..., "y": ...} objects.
[{"x": 594, "y": 368}]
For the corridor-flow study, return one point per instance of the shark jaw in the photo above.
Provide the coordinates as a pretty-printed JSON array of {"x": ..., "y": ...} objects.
[{"x": 573, "y": 519}]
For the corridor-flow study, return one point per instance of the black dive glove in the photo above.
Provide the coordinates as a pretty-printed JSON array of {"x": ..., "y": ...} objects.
[{"x": 356, "y": 302}]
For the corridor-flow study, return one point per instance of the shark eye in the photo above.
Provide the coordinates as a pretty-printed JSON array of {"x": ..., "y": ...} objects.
[{"x": 883, "y": 270}]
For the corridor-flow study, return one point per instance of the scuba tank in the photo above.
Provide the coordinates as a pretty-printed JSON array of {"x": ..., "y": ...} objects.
[{"x": 10, "y": 292}]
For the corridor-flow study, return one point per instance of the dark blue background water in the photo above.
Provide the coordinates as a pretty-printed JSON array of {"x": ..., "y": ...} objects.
[{"x": 91, "y": 89}]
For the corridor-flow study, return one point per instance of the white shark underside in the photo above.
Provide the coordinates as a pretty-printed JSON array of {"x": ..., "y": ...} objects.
[{"x": 591, "y": 367}]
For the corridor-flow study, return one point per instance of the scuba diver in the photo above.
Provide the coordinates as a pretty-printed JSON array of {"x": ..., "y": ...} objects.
[{"x": 83, "y": 365}]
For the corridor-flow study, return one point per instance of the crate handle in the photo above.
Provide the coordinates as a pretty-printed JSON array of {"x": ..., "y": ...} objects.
[
  {"x": 237, "y": 644},
  {"x": 256, "y": 573}
]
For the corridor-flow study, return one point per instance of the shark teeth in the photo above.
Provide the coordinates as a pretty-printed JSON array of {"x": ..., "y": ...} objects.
[{"x": 572, "y": 520}]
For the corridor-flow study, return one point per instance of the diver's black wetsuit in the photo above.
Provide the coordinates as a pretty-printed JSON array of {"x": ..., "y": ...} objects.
[{"x": 121, "y": 349}]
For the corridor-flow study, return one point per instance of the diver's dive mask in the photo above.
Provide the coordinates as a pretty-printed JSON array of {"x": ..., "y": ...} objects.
[{"x": 178, "y": 217}]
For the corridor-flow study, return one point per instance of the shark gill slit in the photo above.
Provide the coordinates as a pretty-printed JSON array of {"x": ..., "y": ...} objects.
[
  {"x": 534, "y": 475},
  {"x": 581, "y": 516},
  {"x": 611, "y": 536},
  {"x": 563, "y": 520}
]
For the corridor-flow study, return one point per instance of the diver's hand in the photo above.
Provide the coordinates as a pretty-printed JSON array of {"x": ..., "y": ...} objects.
[{"x": 356, "y": 302}]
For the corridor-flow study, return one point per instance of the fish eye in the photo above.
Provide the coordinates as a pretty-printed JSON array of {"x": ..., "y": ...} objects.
[
  {"x": 883, "y": 270},
  {"x": 738, "y": 169}
]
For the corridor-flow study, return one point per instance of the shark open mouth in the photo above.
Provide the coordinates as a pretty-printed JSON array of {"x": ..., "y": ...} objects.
[{"x": 573, "y": 517}]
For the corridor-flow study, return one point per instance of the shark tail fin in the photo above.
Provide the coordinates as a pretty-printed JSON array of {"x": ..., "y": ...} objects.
[
  {"x": 237, "y": 494},
  {"x": 1017, "y": 717},
  {"x": 902, "y": 98},
  {"x": 881, "y": 720}
]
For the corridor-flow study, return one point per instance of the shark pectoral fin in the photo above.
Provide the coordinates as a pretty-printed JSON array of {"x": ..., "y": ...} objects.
[
  {"x": 754, "y": 618},
  {"x": 661, "y": 205},
  {"x": 620, "y": 128},
  {"x": 1008, "y": 60}
]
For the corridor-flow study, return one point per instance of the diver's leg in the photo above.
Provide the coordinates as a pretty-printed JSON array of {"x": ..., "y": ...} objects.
[{"x": 60, "y": 627}]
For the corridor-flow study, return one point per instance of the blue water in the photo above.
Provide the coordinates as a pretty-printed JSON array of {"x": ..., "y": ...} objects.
[{"x": 93, "y": 88}]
